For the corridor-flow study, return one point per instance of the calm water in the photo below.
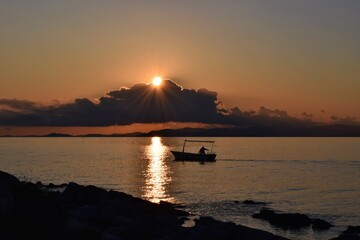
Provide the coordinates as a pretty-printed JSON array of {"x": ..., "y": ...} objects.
[{"x": 316, "y": 176}]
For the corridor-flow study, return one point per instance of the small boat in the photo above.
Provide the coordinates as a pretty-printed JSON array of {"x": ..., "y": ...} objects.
[{"x": 187, "y": 156}]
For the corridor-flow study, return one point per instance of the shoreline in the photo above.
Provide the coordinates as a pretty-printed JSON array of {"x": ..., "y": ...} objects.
[{"x": 72, "y": 211}]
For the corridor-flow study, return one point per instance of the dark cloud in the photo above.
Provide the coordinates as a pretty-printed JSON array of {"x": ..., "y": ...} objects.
[
  {"x": 263, "y": 111},
  {"x": 307, "y": 115},
  {"x": 146, "y": 103},
  {"x": 334, "y": 118},
  {"x": 265, "y": 117},
  {"x": 345, "y": 120},
  {"x": 142, "y": 103},
  {"x": 19, "y": 105}
]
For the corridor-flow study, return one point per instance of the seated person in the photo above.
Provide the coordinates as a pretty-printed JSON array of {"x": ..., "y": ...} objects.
[{"x": 202, "y": 150}]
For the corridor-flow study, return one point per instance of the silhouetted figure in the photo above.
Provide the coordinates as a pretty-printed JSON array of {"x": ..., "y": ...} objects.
[{"x": 202, "y": 150}]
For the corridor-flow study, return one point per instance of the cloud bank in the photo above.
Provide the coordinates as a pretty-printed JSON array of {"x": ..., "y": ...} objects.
[{"x": 143, "y": 103}]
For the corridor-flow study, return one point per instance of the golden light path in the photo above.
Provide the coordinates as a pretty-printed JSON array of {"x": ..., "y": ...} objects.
[{"x": 157, "y": 174}]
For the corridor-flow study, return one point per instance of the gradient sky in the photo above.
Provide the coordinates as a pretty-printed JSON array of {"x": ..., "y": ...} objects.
[{"x": 299, "y": 56}]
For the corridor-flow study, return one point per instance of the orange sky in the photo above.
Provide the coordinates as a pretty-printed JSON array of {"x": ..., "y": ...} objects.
[{"x": 297, "y": 56}]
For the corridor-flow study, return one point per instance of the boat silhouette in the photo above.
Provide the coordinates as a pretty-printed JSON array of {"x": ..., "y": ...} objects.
[{"x": 201, "y": 156}]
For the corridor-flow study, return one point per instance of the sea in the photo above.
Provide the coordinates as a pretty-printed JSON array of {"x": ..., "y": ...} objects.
[{"x": 319, "y": 177}]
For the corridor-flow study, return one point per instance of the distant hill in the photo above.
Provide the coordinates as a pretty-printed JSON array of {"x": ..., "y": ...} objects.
[
  {"x": 252, "y": 131},
  {"x": 314, "y": 131},
  {"x": 58, "y": 135}
]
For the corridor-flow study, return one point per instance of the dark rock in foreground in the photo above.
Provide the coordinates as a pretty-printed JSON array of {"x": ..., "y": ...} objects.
[
  {"x": 320, "y": 224},
  {"x": 36, "y": 211},
  {"x": 351, "y": 233},
  {"x": 352, "y": 230},
  {"x": 252, "y": 202},
  {"x": 291, "y": 220},
  {"x": 284, "y": 220}
]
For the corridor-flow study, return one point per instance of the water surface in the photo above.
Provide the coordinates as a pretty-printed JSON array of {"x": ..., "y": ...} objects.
[{"x": 314, "y": 176}]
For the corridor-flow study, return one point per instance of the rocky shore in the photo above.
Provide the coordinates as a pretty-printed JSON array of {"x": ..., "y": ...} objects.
[{"x": 71, "y": 211}]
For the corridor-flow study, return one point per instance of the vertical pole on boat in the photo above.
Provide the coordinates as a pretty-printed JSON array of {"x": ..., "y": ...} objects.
[{"x": 184, "y": 145}]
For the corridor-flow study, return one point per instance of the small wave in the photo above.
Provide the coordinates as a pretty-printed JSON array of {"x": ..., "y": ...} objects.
[{"x": 296, "y": 189}]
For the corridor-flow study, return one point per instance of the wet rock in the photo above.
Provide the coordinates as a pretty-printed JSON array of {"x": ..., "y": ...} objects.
[
  {"x": 35, "y": 214},
  {"x": 86, "y": 213},
  {"x": 265, "y": 214},
  {"x": 346, "y": 237},
  {"x": 291, "y": 220},
  {"x": 320, "y": 224},
  {"x": 351, "y": 233},
  {"x": 352, "y": 230},
  {"x": 79, "y": 195},
  {"x": 284, "y": 220},
  {"x": 252, "y": 202},
  {"x": 91, "y": 213},
  {"x": 6, "y": 202},
  {"x": 209, "y": 228},
  {"x": 112, "y": 234},
  {"x": 51, "y": 185},
  {"x": 81, "y": 230},
  {"x": 7, "y": 181},
  {"x": 170, "y": 205},
  {"x": 122, "y": 221}
]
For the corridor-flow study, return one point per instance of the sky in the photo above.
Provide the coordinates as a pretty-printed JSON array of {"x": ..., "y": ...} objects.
[{"x": 294, "y": 56}]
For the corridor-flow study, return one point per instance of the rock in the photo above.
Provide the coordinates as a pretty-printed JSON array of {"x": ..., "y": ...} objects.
[
  {"x": 209, "y": 228},
  {"x": 108, "y": 235},
  {"x": 7, "y": 184},
  {"x": 347, "y": 237},
  {"x": 77, "y": 194},
  {"x": 352, "y": 230},
  {"x": 6, "y": 202},
  {"x": 166, "y": 204},
  {"x": 351, "y": 233},
  {"x": 51, "y": 185},
  {"x": 170, "y": 205},
  {"x": 7, "y": 180},
  {"x": 88, "y": 212},
  {"x": 122, "y": 221},
  {"x": 320, "y": 224},
  {"x": 85, "y": 212},
  {"x": 265, "y": 214},
  {"x": 284, "y": 220},
  {"x": 78, "y": 230},
  {"x": 291, "y": 220},
  {"x": 251, "y": 202}
]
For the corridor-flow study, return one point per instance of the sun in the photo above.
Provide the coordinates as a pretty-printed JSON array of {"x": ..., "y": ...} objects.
[{"x": 157, "y": 81}]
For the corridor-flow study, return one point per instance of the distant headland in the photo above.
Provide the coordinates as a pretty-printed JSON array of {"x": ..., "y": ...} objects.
[{"x": 335, "y": 130}]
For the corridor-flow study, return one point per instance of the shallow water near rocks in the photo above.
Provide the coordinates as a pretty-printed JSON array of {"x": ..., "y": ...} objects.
[{"x": 315, "y": 176}]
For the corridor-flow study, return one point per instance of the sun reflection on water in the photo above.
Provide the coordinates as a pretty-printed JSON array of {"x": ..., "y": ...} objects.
[{"x": 157, "y": 172}]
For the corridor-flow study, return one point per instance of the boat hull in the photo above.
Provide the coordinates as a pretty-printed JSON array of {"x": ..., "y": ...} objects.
[{"x": 185, "y": 156}]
